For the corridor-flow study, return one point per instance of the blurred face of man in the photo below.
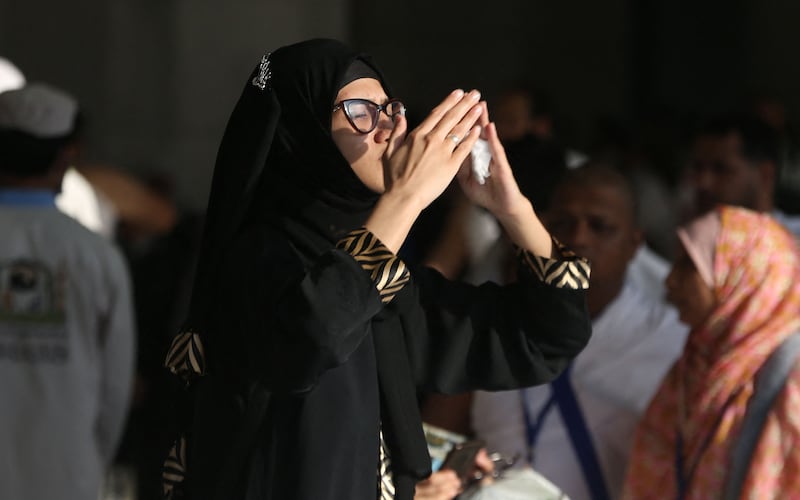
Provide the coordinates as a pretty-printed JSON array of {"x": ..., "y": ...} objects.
[
  {"x": 719, "y": 173},
  {"x": 597, "y": 222},
  {"x": 512, "y": 116}
]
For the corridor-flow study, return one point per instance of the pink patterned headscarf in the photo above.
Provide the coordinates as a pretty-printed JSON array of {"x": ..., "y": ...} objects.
[
  {"x": 699, "y": 238},
  {"x": 756, "y": 280}
]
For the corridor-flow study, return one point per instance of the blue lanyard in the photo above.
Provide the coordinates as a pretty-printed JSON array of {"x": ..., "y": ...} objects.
[
  {"x": 532, "y": 428},
  {"x": 563, "y": 395},
  {"x": 27, "y": 197}
]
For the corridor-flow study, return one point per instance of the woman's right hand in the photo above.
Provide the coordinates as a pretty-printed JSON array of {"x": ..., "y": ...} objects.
[
  {"x": 419, "y": 166},
  {"x": 441, "y": 485}
]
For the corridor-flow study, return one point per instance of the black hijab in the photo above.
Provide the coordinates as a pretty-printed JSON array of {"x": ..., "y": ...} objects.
[{"x": 278, "y": 164}]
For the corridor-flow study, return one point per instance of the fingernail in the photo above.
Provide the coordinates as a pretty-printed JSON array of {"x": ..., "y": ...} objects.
[
  {"x": 458, "y": 93},
  {"x": 476, "y": 95}
]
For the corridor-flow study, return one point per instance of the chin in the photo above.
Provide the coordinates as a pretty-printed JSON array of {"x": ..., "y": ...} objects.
[
  {"x": 682, "y": 317},
  {"x": 377, "y": 187},
  {"x": 691, "y": 322}
]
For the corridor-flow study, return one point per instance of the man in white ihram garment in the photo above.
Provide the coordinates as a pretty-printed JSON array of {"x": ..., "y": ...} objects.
[{"x": 577, "y": 431}]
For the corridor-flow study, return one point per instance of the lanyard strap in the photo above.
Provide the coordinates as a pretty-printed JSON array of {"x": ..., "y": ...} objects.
[
  {"x": 564, "y": 396},
  {"x": 532, "y": 428},
  {"x": 27, "y": 197}
]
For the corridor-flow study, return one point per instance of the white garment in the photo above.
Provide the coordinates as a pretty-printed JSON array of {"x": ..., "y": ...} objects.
[
  {"x": 10, "y": 76},
  {"x": 647, "y": 271},
  {"x": 81, "y": 201},
  {"x": 634, "y": 342},
  {"x": 482, "y": 231},
  {"x": 66, "y": 354},
  {"x": 790, "y": 222},
  {"x": 518, "y": 484}
]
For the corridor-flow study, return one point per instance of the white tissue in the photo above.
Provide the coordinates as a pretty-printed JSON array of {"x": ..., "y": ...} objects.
[{"x": 481, "y": 156}]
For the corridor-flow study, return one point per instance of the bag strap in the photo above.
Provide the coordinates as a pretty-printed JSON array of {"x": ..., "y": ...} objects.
[
  {"x": 769, "y": 381},
  {"x": 579, "y": 435}
]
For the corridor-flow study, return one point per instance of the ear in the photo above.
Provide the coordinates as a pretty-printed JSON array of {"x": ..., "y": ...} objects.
[
  {"x": 70, "y": 154},
  {"x": 66, "y": 158},
  {"x": 768, "y": 175},
  {"x": 55, "y": 175},
  {"x": 637, "y": 238},
  {"x": 540, "y": 126}
]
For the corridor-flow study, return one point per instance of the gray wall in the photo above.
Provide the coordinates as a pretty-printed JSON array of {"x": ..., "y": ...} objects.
[{"x": 159, "y": 77}]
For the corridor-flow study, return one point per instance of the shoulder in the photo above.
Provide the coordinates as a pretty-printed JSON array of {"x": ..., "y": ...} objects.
[
  {"x": 77, "y": 241},
  {"x": 647, "y": 271},
  {"x": 648, "y": 320},
  {"x": 261, "y": 251},
  {"x": 790, "y": 222},
  {"x": 789, "y": 400}
]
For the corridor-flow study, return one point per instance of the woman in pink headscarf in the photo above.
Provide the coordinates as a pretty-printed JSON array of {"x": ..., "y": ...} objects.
[{"x": 736, "y": 283}]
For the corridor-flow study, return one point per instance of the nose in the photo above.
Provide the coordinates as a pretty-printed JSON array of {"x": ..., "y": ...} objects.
[
  {"x": 384, "y": 128},
  {"x": 579, "y": 238},
  {"x": 702, "y": 178}
]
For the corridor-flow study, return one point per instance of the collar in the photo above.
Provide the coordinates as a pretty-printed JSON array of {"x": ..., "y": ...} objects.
[{"x": 27, "y": 197}]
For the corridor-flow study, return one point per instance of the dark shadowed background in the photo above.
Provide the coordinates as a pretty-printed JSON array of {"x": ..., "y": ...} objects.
[{"x": 157, "y": 78}]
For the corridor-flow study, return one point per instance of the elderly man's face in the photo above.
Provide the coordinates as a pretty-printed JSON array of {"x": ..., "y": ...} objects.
[{"x": 597, "y": 222}]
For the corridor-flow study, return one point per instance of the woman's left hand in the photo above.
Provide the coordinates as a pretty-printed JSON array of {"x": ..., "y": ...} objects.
[{"x": 500, "y": 193}]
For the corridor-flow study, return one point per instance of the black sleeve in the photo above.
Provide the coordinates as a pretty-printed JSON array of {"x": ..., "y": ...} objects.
[
  {"x": 298, "y": 319},
  {"x": 495, "y": 337}
]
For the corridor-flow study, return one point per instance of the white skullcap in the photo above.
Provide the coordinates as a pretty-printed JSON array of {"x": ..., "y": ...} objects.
[
  {"x": 38, "y": 110},
  {"x": 10, "y": 76}
]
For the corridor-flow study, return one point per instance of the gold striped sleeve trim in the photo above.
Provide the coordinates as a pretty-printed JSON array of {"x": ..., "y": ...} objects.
[
  {"x": 568, "y": 271},
  {"x": 173, "y": 473},
  {"x": 385, "y": 479},
  {"x": 387, "y": 271},
  {"x": 186, "y": 356}
]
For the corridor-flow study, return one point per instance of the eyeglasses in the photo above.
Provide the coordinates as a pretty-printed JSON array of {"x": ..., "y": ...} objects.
[{"x": 363, "y": 114}]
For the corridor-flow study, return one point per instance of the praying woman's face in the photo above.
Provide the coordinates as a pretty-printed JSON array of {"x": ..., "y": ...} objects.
[
  {"x": 687, "y": 291},
  {"x": 363, "y": 152}
]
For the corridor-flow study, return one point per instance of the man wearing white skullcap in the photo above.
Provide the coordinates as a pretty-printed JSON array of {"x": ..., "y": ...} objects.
[
  {"x": 78, "y": 198},
  {"x": 66, "y": 324}
]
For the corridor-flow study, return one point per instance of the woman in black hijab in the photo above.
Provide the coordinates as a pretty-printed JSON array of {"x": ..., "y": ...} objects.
[{"x": 308, "y": 338}]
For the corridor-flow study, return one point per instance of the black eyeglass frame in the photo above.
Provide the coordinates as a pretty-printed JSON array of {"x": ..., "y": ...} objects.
[{"x": 344, "y": 106}]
